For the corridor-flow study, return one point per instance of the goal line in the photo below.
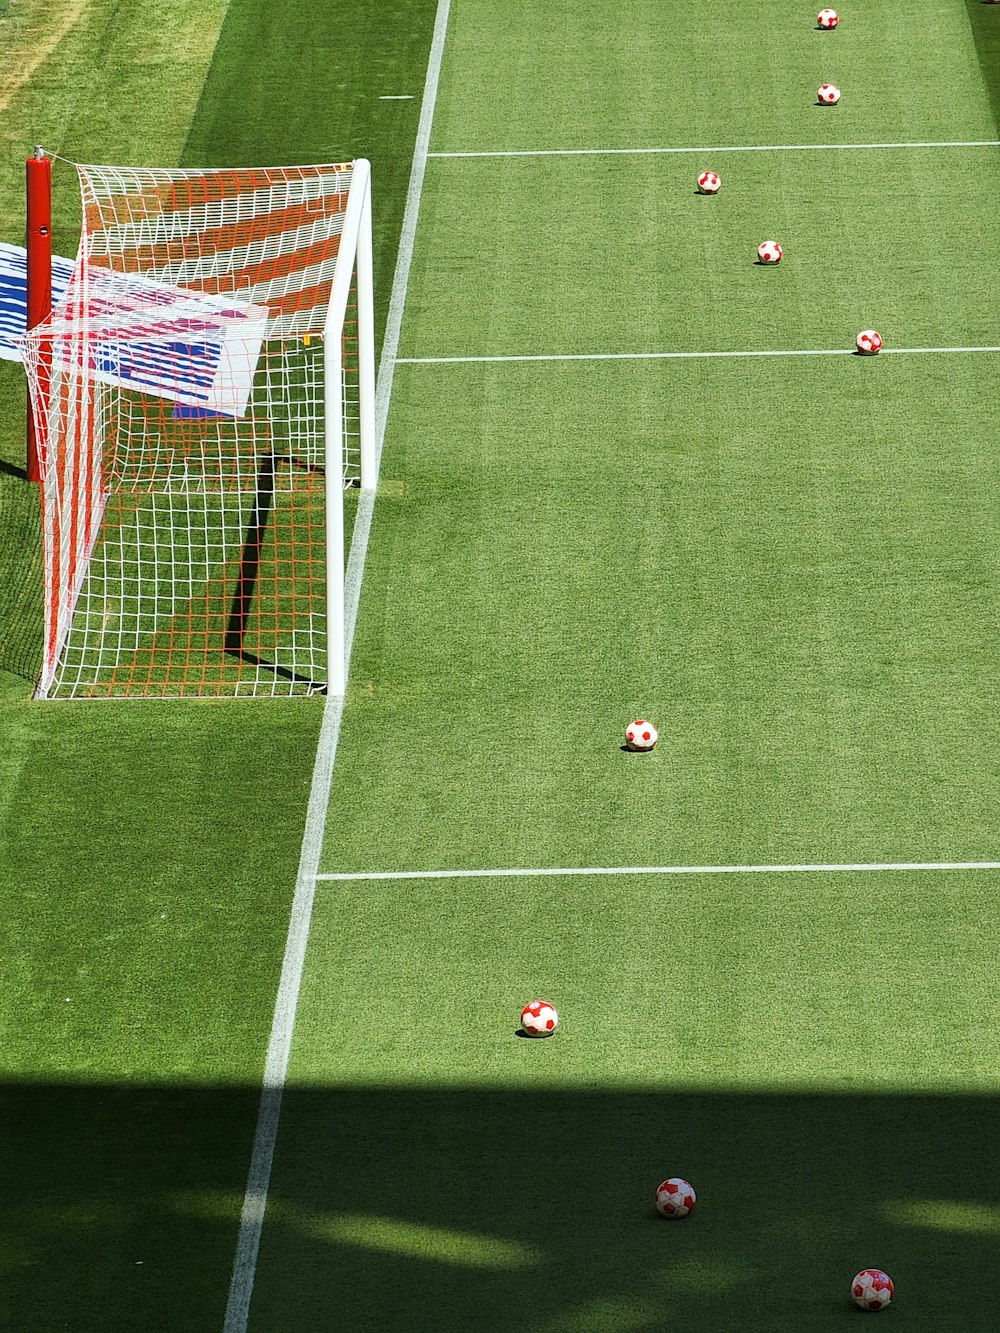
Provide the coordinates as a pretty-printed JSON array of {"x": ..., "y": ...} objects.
[
  {"x": 237, "y": 1313},
  {"x": 583, "y": 871}
]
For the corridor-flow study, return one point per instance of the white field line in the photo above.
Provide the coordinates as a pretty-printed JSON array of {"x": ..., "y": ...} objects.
[
  {"x": 677, "y": 356},
  {"x": 820, "y": 868},
  {"x": 728, "y": 148},
  {"x": 283, "y": 1024}
]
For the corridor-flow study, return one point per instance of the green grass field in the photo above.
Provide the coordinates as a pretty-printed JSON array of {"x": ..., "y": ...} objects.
[
  {"x": 148, "y": 854},
  {"x": 789, "y": 563}
]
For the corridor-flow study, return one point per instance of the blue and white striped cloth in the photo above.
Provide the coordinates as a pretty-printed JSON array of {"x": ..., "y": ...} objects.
[
  {"x": 197, "y": 349},
  {"x": 14, "y": 294}
]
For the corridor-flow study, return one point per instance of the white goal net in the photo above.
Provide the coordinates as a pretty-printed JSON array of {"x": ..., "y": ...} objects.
[{"x": 202, "y": 394}]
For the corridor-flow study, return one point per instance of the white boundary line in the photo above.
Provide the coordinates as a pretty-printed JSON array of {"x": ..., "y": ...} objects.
[
  {"x": 283, "y": 1025},
  {"x": 675, "y": 356},
  {"x": 729, "y": 148},
  {"x": 664, "y": 870}
]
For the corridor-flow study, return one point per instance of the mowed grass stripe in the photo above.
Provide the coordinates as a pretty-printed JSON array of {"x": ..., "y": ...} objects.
[
  {"x": 861, "y": 952},
  {"x": 793, "y": 572},
  {"x": 112, "y": 87},
  {"x": 609, "y": 259},
  {"x": 740, "y": 71}
]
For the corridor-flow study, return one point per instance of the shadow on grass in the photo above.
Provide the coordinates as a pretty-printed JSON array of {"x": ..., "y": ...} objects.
[
  {"x": 509, "y": 1210},
  {"x": 985, "y": 21}
]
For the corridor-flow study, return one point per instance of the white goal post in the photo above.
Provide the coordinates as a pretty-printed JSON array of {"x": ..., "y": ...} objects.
[
  {"x": 358, "y": 227},
  {"x": 202, "y": 395}
]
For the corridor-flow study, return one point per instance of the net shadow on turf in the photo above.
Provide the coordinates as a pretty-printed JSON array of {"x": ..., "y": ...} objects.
[{"x": 250, "y": 568}]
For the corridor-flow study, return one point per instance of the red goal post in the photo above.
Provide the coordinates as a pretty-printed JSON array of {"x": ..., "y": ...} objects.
[
  {"x": 38, "y": 269},
  {"x": 202, "y": 395}
]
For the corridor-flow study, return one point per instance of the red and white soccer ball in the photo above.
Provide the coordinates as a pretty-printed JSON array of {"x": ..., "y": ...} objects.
[
  {"x": 674, "y": 1197},
  {"x": 769, "y": 252},
  {"x": 708, "y": 183},
  {"x": 872, "y": 1289},
  {"x": 827, "y": 19},
  {"x": 828, "y": 94},
  {"x": 868, "y": 342},
  {"x": 539, "y": 1019},
  {"x": 641, "y": 735}
]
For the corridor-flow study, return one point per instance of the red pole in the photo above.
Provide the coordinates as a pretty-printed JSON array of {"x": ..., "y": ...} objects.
[{"x": 38, "y": 233}]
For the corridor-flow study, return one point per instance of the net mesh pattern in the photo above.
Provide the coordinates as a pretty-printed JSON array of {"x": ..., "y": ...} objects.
[{"x": 178, "y": 393}]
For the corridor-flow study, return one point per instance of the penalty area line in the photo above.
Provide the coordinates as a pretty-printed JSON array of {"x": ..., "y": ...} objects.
[
  {"x": 817, "y": 868},
  {"x": 726, "y": 148},
  {"x": 678, "y": 356}
]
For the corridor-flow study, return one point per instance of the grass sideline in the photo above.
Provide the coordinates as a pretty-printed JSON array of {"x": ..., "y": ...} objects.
[{"x": 148, "y": 851}]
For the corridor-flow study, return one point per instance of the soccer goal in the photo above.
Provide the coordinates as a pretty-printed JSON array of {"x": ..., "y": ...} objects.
[{"x": 202, "y": 395}]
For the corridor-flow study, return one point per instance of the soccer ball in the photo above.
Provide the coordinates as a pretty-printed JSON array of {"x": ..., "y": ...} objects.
[
  {"x": 539, "y": 1019},
  {"x": 641, "y": 735},
  {"x": 769, "y": 252},
  {"x": 708, "y": 183},
  {"x": 868, "y": 342},
  {"x": 872, "y": 1289},
  {"x": 827, "y": 18},
  {"x": 828, "y": 94},
  {"x": 675, "y": 1198}
]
